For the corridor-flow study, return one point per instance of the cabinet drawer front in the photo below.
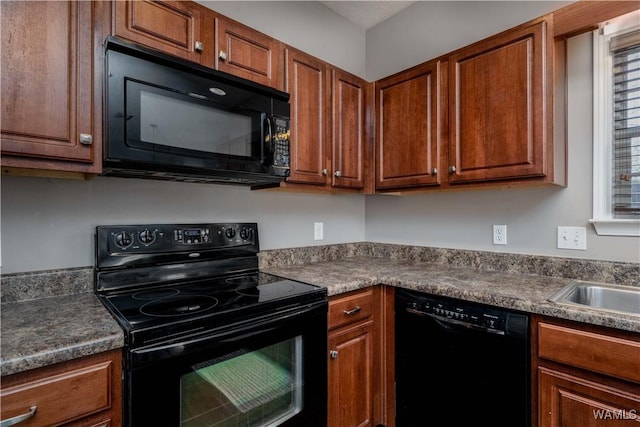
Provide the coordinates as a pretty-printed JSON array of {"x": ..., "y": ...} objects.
[
  {"x": 595, "y": 352},
  {"x": 60, "y": 398},
  {"x": 350, "y": 308}
]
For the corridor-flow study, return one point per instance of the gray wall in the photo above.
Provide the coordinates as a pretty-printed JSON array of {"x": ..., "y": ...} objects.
[{"x": 48, "y": 223}]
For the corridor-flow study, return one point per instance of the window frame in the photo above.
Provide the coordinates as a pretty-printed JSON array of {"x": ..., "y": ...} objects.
[{"x": 603, "y": 220}]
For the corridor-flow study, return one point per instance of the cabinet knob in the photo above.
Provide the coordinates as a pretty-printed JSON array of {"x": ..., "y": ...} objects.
[
  {"x": 452, "y": 169},
  {"x": 434, "y": 171},
  {"x": 325, "y": 171},
  {"x": 222, "y": 55},
  {"x": 86, "y": 139},
  {"x": 199, "y": 47},
  {"x": 338, "y": 174},
  {"x": 333, "y": 354}
]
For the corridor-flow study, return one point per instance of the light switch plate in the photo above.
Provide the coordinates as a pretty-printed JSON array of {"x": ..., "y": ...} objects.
[{"x": 574, "y": 238}]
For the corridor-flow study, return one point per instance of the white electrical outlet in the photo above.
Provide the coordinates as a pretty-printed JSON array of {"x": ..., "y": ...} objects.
[
  {"x": 499, "y": 234},
  {"x": 574, "y": 238},
  {"x": 318, "y": 231}
]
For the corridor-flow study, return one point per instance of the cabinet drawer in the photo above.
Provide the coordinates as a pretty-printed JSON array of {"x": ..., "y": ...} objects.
[
  {"x": 350, "y": 308},
  {"x": 596, "y": 352},
  {"x": 60, "y": 398}
]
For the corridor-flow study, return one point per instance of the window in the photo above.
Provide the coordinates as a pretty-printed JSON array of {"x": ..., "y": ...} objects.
[{"x": 616, "y": 157}]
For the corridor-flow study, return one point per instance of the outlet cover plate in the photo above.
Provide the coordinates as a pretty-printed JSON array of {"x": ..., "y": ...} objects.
[
  {"x": 499, "y": 234},
  {"x": 574, "y": 238},
  {"x": 318, "y": 231}
]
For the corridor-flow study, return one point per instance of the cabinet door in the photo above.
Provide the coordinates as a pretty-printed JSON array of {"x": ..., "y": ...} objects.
[
  {"x": 350, "y": 376},
  {"x": 174, "y": 27},
  {"x": 408, "y": 112},
  {"x": 569, "y": 401},
  {"x": 307, "y": 84},
  {"x": 350, "y": 97},
  {"x": 499, "y": 106},
  {"x": 47, "y": 81},
  {"x": 249, "y": 54}
]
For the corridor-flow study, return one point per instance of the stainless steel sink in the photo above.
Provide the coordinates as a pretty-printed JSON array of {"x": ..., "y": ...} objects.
[{"x": 623, "y": 299}]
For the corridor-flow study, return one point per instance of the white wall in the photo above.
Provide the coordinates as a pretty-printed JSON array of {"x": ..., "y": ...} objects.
[
  {"x": 465, "y": 219},
  {"x": 49, "y": 223}
]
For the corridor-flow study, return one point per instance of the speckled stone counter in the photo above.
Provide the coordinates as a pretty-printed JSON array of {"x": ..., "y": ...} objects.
[
  {"x": 53, "y": 316},
  {"x": 525, "y": 292},
  {"x": 45, "y": 331}
]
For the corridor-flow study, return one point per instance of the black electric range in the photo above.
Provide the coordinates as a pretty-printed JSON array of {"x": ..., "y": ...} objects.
[{"x": 165, "y": 282}]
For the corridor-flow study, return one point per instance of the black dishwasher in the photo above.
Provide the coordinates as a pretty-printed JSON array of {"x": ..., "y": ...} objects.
[{"x": 460, "y": 363}]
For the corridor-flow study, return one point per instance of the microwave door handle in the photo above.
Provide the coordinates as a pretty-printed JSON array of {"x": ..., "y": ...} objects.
[{"x": 269, "y": 140}]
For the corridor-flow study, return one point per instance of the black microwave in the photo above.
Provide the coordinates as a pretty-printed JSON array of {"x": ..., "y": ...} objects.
[{"x": 166, "y": 118}]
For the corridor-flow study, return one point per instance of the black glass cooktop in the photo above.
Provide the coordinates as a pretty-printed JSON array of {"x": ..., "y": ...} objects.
[{"x": 183, "y": 306}]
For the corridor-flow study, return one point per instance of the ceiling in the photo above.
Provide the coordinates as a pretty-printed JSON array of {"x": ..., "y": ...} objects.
[{"x": 366, "y": 14}]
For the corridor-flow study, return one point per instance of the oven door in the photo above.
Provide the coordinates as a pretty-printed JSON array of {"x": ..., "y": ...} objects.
[{"x": 269, "y": 371}]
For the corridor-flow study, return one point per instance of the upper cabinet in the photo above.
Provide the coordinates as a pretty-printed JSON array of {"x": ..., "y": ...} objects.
[
  {"x": 500, "y": 117},
  {"x": 307, "y": 83},
  {"x": 328, "y": 123},
  {"x": 350, "y": 103},
  {"x": 248, "y": 54},
  {"x": 196, "y": 33},
  {"x": 51, "y": 98},
  {"x": 409, "y": 112},
  {"x": 481, "y": 115},
  {"x": 174, "y": 27}
]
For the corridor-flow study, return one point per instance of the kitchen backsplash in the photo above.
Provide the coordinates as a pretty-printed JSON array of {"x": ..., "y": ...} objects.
[{"x": 41, "y": 284}]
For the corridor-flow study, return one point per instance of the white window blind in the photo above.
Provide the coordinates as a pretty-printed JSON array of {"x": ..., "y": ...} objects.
[{"x": 625, "y": 190}]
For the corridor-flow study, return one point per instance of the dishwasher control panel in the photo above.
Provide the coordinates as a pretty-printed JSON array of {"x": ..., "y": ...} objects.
[{"x": 460, "y": 312}]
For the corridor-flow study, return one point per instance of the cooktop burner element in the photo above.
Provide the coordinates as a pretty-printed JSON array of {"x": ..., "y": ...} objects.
[
  {"x": 159, "y": 284},
  {"x": 179, "y": 305}
]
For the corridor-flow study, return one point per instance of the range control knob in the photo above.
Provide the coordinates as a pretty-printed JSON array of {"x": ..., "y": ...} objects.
[
  {"x": 245, "y": 233},
  {"x": 147, "y": 237},
  {"x": 230, "y": 233},
  {"x": 123, "y": 239}
]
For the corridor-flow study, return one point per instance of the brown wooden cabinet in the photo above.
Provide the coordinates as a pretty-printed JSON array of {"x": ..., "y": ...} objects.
[
  {"x": 191, "y": 31},
  {"x": 355, "y": 375},
  {"x": 81, "y": 392},
  {"x": 351, "y": 97},
  {"x": 500, "y": 114},
  {"x": 175, "y": 27},
  {"x": 51, "y": 85},
  {"x": 409, "y": 113},
  {"x": 328, "y": 123},
  {"x": 480, "y": 115},
  {"x": 307, "y": 83},
  {"x": 249, "y": 54},
  {"x": 585, "y": 375}
]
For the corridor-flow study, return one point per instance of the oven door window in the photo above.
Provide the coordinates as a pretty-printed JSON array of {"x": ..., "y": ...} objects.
[
  {"x": 258, "y": 388},
  {"x": 162, "y": 120}
]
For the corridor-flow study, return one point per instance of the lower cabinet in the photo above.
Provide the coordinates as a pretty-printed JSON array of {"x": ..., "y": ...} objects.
[
  {"x": 82, "y": 392},
  {"x": 355, "y": 374},
  {"x": 585, "y": 376}
]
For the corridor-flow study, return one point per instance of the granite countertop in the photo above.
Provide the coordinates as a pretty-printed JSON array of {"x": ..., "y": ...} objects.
[
  {"x": 516, "y": 291},
  {"x": 40, "y": 332},
  {"x": 45, "y": 331}
]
